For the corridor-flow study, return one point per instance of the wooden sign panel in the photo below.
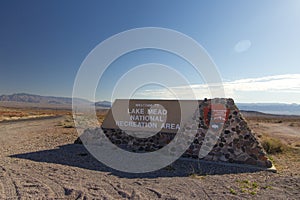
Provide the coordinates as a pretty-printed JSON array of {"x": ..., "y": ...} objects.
[
  {"x": 148, "y": 115},
  {"x": 155, "y": 115}
]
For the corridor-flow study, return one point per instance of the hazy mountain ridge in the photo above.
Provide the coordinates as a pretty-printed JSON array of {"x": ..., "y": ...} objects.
[
  {"x": 106, "y": 104},
  {"x": 32, "y": 98},
  {"x": 49, "y": 100},
  {"x": 272, "y": 108}
]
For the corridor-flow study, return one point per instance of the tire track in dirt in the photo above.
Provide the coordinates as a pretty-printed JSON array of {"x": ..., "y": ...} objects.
[
  {"x": 36, "y": 184},
  {"x": 158, "y": 194},
  {"x": 126, "y": 191},
  {"x": 8, "y": 186}
]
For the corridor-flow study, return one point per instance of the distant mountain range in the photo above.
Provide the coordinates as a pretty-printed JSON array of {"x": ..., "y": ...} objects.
[
  {"x": 50, "y": 101},
  {"x": 271, "y": 108},
  {"x": 105, "y": 104}
]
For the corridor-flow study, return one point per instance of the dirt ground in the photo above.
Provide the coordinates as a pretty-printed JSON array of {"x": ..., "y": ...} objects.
[{"x": 39, "y": 161}]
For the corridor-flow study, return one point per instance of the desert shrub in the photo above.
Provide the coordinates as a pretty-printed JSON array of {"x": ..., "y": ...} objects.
[
  {"x": 273, "y": 146},
  {"x": 68, "y": 126},
  {"x": 292, "y": 125},
  {"x": 232, "y": 191},
  {"x": 68, "y": 123}
]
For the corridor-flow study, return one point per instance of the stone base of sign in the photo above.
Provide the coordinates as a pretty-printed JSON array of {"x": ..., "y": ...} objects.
[{"x": 236, "y": 143}]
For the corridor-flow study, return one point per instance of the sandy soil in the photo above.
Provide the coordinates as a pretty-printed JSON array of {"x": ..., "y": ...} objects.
[
  {"x": 38, "y": 160},
  {"x": 285, "y": 131}
]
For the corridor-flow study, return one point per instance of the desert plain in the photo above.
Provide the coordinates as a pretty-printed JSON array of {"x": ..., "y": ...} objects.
[{"x": 39, "y": 160}]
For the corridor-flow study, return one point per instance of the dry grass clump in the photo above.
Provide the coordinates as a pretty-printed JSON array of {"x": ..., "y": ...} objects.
[
  {"x": 297, "y": 145},
  {"x": 272, "y": 145},
  {"x": 101, "y": 118},
  {"x": 294, "y": 124},
  {"x": 68, "y": 122}
]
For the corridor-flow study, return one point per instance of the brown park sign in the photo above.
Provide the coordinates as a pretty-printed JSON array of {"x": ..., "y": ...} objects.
[
  {"x": 144, "y": 115},
  {"x": 149, "y": 115},
  {"x": 133, "y": 125}
]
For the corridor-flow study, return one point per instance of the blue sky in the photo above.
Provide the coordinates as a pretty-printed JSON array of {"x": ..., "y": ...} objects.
[{"x": 255, "y": 44}]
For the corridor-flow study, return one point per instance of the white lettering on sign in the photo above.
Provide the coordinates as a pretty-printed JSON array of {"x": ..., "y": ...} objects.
[
  {"x": 170, "y": 126},
  {"x": 136, "y": 124},
  {"x": 147, "y": 116},
  {"x": 157, "y": 112},
  {"x": 136, "y": 111}
]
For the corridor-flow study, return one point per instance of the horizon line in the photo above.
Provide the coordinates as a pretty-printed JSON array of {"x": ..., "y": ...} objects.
[{"x": 70, "y": 97}]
